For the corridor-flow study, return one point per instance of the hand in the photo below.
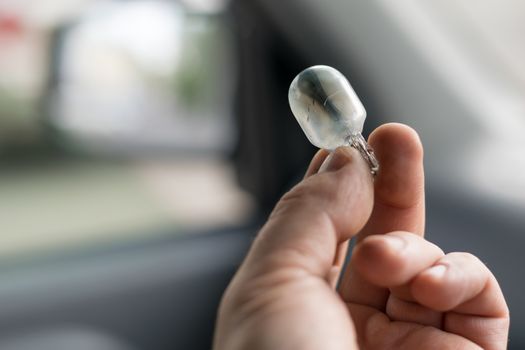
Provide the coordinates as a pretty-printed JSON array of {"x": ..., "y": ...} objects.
[{"x": 399, "y": 290}]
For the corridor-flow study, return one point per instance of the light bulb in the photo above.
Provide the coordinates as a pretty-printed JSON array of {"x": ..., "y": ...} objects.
[{"x": 329, "y": 111}]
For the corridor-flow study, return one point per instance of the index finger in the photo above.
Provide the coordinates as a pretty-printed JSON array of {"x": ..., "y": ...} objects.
[{"x": 399, "y": 203}]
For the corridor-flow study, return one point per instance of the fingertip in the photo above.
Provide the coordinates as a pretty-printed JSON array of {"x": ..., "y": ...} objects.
[
  {"x": 352, "y": 190},
  {"x": 436, "y": 272},
  {"x": 400, "y": 181},
  {"x": 395, "y": 258},
  {"x": 399, "y": 137},
  {"x": 459, "y": 281},
  {"x": 345, "y": 184},
  {"x": 429, "y": 289},
  {"x": 377, "y": 258},
  {"x": 339, "y": 158}
]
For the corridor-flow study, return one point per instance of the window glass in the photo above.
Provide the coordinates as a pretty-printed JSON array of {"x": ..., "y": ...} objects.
[{"x": 115, "y": 123}]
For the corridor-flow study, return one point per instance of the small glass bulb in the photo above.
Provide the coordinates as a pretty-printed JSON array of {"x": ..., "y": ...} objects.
[
  {"x": 329, "y": 111},
  {"x": 326, "y": 107}
]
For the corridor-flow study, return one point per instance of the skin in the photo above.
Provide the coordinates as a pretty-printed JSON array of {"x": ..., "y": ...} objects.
[{"x": 399, "y": 290}]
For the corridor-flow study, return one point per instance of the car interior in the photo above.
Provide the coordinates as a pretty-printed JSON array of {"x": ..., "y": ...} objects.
[{"x": 143, "y": 143}]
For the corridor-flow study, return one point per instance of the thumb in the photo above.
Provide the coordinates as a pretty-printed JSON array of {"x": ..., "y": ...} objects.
[{"x": 323, "y": 210}]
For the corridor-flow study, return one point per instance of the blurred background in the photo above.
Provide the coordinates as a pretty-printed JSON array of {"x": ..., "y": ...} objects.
[{"x": 142, "y": 143}]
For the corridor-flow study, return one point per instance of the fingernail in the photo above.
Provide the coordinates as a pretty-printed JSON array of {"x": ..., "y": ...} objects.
[
  {"x": 395, "y": 242},
  {"x": 337, "y": 159},
  {"x": 437, "y": 271}
]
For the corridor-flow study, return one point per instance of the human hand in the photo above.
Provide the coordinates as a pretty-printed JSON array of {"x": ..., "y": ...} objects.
[{"x": 399, "y": 290}]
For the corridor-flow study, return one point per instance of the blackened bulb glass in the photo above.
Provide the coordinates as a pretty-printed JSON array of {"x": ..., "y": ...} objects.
[
  {"x": 326, "y": 107},
  {"x": 329, "y": 111}
]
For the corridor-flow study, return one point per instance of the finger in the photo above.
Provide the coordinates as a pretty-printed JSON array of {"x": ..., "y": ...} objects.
[
  {"x": 462, "y": 284},
  {"x": 377, "y": 331},
  {"x": 311, "y": 220},
  {"x": 399, "y": 202},
  {"x": 316, "y": 162},
  {"x": 394, "y": 259}
]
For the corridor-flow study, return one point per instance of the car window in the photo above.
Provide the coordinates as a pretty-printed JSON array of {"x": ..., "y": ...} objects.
[{"x": 115, "y": 123}]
